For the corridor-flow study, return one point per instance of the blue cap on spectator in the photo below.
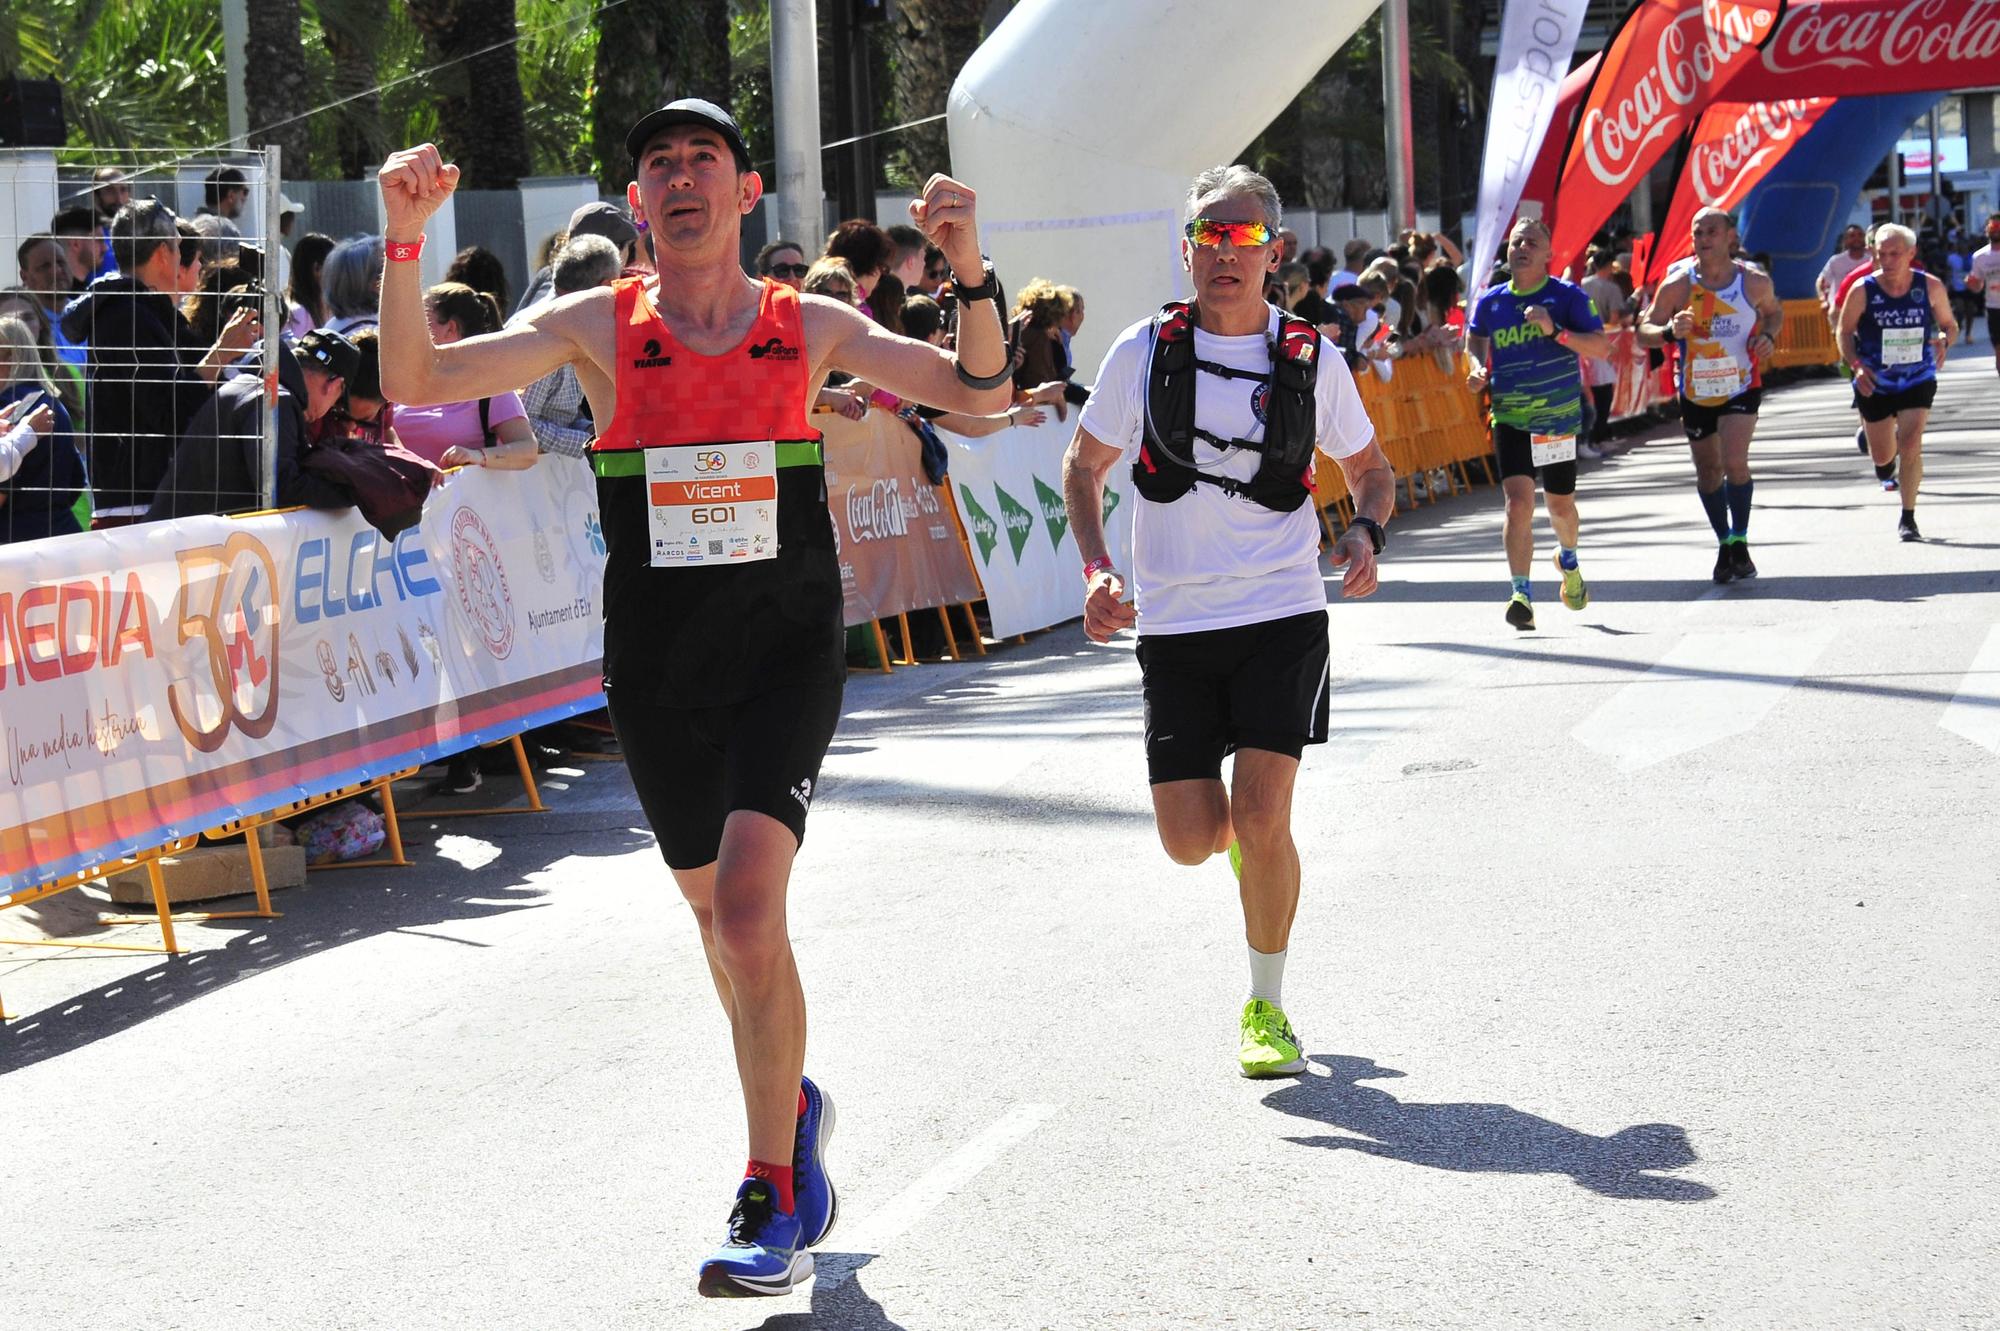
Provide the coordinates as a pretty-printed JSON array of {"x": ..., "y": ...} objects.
[{"x": 688, "y": 111}]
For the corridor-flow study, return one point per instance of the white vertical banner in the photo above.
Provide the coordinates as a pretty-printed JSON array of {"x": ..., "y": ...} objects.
[
  {"x": 1537, "y": 39},
  {"x": 1009, "y": 491}
]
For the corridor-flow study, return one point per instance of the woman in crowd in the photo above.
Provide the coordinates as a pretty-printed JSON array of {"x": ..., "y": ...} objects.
[
  {"x": 886, "y": 305},
  {"x": 41, "y": 473},
  {"x": 1035, "y": 330},
  {"x": 487, "y": 432},
  {"x": 68, "y": 378},
  {"x": 481, "y": 269},
  {"x": 352, "y": 282},
  {"x": 308, "y": 299},
  {"x": 868, "y": 251},
  {"x": 363, "y": 413},
  {"x": 784, "y": 262}
]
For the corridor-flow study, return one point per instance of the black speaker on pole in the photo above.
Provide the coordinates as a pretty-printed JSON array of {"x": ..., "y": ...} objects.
[{"x": 31, "y": 113}]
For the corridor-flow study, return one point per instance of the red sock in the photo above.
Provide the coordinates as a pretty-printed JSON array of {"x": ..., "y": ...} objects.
[
  {"x": 802, "y": 1103},
  {"x": 780, "y": 1177}
]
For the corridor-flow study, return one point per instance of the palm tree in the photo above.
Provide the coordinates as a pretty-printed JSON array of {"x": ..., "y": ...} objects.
[
  {"x": 476, "y": 87},
  {"x": 650, "y": 52},
  {"x": 278, "y": 96},
  {"x": 355, "y": 33},
  {"x": 931, "y": 41}
]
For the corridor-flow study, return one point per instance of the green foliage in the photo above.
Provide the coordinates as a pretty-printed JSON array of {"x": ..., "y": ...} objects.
[
  {"x": 750, "y": 77},
  {"x": 135, "y": 73}
]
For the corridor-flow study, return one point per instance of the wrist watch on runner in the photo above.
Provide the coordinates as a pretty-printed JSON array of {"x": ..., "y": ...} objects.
[
  {"x": 1376, "y": 537},
  {"x": 988, "y": 288}
]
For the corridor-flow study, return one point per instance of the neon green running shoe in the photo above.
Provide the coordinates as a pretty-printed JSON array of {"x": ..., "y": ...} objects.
[
  {"x": 1575, "y": 595},
  {"x": 1521, "y": 613},
  {"x": 1236, "y": 859},
  {"x": 1269, "y": 1048}
]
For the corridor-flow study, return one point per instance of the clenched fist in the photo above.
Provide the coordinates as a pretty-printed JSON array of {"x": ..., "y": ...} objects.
[
  {"x": 415, "y": 183},
  {"x": 945, "y": 215}
]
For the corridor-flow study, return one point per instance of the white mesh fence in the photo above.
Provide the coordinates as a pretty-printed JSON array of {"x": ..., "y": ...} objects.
[{"x": 119, "y": 352}]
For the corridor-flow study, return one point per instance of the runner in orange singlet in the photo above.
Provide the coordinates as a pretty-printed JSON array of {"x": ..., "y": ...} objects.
[{"x": 723, "y": 661}]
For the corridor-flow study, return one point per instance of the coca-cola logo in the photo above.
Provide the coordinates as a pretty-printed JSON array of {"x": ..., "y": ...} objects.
[
  {"x": 1847, "y": 36},
  {"x": 1720, "y": 168},
  {"x": 1694, "y": 49}
]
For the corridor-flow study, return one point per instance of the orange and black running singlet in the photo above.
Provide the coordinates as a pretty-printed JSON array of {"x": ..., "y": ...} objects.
[{"x": 722, "y": 633}]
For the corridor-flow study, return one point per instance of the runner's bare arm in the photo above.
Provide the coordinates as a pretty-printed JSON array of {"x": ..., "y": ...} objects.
[
  {"x": 1941, "y": 311},
  {"x": 1656, "y": 326},
  {"x": 1595, "y": 343},
  {"x": 415, "y": 183},
  {"x": 1372, "y": 482},
  {"x": 1763, "y": 293},
  {"x": 1851, "y": 310},
  {"x": 1475, "y": 351},
  {"x": 1087, "y": 465}
]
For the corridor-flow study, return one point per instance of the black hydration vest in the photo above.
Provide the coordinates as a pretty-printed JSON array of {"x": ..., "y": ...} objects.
[{"x": 1165, "y": 470}]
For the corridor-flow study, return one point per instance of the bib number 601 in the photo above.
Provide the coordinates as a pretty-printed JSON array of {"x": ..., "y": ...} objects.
[{"x": 717, "y": 514}]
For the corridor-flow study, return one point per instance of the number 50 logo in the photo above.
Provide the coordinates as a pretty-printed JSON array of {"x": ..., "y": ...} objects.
[
  {"x": 710, "y": 460},
  {"x": 228, "y": 602}
]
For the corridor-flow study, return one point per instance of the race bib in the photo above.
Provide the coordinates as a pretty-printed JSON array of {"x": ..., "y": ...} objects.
[
  {"x": 1713, "y": 377},
  {"x": 1902, "y": 346},
  {"x": 712, "y": 504},
  {"x": 1547, "y": 449}
]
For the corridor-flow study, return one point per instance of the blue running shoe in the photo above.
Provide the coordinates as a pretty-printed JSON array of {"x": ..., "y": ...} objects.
[
  {"x": 763, "y": 1254},
  {"x": 819, "y": 1205}
]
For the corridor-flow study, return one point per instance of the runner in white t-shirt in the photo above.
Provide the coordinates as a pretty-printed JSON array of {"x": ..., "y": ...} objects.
[
  {"x": 1209, "y": 407},
  {"x": 1852, "y": 254},
  {"x": 1984, "y": 276}
]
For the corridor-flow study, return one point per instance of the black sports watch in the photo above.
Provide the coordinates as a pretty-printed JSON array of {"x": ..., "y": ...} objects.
[
  {"x": 1374, "y": 529},
  {"x": 988, "y": 288}
]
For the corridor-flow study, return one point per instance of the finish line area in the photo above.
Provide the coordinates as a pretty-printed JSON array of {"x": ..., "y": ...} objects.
[{"x": 1638, "y": 930}]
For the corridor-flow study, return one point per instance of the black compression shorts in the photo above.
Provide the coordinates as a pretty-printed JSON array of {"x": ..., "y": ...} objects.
[
  {"x": 1209, "y": 694},
  {"x": 1701, "y": 422},
  {"x": 1514, "y": 446},
  {"x": 1880, "y": 406},
  {"x": 694, "y": 766}
]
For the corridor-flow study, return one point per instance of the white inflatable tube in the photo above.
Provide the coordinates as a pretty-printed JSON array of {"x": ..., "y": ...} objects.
[{"x": 1080, "y": 123}]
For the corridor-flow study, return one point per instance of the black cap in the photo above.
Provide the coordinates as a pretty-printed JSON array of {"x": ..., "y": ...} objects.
[
  {"x": 1350, "y": 291},
  {"x": 328, "y": 351},
  {"x": 601, "y": 219},
  {"x": 688, "y": 111}
]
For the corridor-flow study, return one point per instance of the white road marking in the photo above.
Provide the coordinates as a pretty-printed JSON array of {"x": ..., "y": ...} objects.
[
  {"x": 1709, "y": 687},
  {"x": 937, "y": 1183},
  {"x": 1975, "y": 712}
]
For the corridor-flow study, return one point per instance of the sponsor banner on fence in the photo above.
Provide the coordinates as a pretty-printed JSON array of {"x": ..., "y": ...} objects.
[
  {"x": 899, "y": 548},
  {"x": 1536, "y": 42},
  {"x": 161, "y": 679},
  {"x": 1009, "y": 491},
  {"x": 1735, "y": 145}
]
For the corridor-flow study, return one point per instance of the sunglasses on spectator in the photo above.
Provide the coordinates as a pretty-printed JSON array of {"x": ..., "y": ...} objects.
[
  {"x": 1209, "y": 233},
  {"x": 790, "y": 269}
]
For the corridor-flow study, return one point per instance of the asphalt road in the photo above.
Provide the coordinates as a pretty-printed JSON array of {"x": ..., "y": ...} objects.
[{"x": 1645, "y": 961}]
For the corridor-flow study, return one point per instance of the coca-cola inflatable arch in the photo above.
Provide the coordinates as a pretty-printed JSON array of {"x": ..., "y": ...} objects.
[{"x": 1625, "y": 109}]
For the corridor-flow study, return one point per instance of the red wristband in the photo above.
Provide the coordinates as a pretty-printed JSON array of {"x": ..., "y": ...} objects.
[
  {"x": 1095, "y": 567},
  {"x": 403, "y": 251}
]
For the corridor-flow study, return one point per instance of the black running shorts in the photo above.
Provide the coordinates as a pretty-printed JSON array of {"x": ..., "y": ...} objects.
[
  {"x": 1516, "y": 459},
  {"x": 1257, "y": 686},
  {"x": 1881, "y": 406},
  {"x": 1701, "y": 422},
  {"x": 1993, "y": 324},
  {"x": 694, "y": 766}
]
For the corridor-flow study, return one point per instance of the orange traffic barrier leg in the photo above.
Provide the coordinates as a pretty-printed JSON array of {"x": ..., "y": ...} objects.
[
  {"x": 881, "y": 645},
  {"x": 909, "y": 644},
  {"x": 972, "y": 619},
  {"x": 950, "y": 638},
  {"x": 534, "y": 804}
]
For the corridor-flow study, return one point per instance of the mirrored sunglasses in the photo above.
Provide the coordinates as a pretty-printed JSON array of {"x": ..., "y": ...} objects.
[
  {"x": 790, "y": 269},
  {"x": 1209, "y": 233}
]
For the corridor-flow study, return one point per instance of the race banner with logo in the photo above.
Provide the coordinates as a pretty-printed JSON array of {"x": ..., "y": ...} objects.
[
  {"x": 1668, "y": 60},
  {"x": 899, "y": 548},
  {"x": 1860, "y": 48},
  {"x": 1735, "y": 145},
  {"x": 1009, "y": 491},
  {"x": 161, "y": 679},
  {"x": 1536, "y": 42}
]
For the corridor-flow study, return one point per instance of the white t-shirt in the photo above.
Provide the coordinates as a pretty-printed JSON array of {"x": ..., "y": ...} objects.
[
  {"x": 1986, "y": 267},
  {"x": 1211, "y": 560},
  {"x": 1838, "y": 267}
]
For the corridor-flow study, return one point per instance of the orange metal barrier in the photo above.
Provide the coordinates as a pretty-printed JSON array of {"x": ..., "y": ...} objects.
[
  {"x": 1427, "y": 422},
  {"x": 1806, "y": 338}
]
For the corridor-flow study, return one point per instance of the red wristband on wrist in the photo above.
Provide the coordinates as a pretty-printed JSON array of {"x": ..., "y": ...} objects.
[
  {"x": 403, "y": 251},
  {"x": 1094, "y": 567}
]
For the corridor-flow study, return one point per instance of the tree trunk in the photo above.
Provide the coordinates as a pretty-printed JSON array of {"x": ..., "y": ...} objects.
[
  {"x": 481, "y": 125},
  {"x": 275, "y": 91},
  {"x": 931, "y": 41},
  {"x": 355, "y": 31},
  {"x": 1322, "y": 152},
  {"x": 649, "y": 53}
]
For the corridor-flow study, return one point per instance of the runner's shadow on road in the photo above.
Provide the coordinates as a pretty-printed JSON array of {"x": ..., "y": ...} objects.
[
  {"x": 1485, "y": 1138},
  {"x": 838, "y": 1301}
]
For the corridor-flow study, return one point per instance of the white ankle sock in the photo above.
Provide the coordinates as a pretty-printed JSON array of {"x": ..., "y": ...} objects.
[{"x": 1267, "y": 976}]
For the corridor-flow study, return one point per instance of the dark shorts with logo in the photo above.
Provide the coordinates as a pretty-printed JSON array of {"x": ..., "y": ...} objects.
[
  {"x": 1881, "y": 406},
  {"x": 1700, "y": 422},
  {"x": 1209, "y": 694},
  {"x": 1517, "y": 458},
  {"x": 694, "y": 766}
]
